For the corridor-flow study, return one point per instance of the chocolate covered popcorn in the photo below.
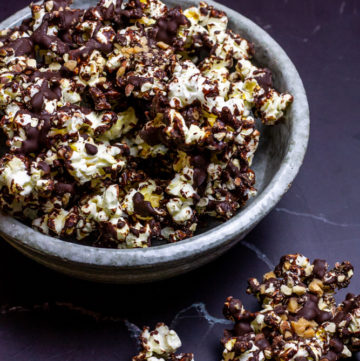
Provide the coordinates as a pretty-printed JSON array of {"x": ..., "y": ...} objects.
[
  {"x": 299, "y": 319},
  {"x": 161, "y": 344},
  {"x": 129, "y": 121}
]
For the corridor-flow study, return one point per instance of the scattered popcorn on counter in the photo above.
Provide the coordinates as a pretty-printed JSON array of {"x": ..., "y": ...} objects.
[
  {"x": 161, "y": 345},
  {"x": 299, "y": 319}
]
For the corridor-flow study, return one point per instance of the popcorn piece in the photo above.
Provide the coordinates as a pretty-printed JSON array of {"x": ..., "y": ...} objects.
[
  {"x": 144, "y": 202},
  {"x": 59, "y": 222},
  {"x": 125, "y": 122},
  {"x": 86, "y": 160},
  {"x": 177, "y": 128},
  {"x": 160, "y": 344},
  {"x": 15, "y": 176},
  {"x": 104, "y": 211},
  {"x": 269, "y": 104},
  {"x": 273, "y": 105}
]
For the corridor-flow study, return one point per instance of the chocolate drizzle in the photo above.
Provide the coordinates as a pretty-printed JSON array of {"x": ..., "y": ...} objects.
[
  {"x": 200, "y": 164},
  {"x": 167, "y": 26},
  {"x": 36, "y": 137},
  {"x": 41, "y": 38},
  {"x": 44, "y": 167},
  {"x": 37, "y": 101},
  {"x": 311, "y": 311},
  {"x": 91, "y": 149},
  {"x": 85, "y": 51},
  {"x": 143, "y": 207},
  {"x": 264, "y": 78},
  {"x": 152, "y": 135},
  {"x": 63, "y": 188},
  {"x": 61, "y": 4},
  {"x": 21, "y": 46},
  {"x": 320, "y": 267}
]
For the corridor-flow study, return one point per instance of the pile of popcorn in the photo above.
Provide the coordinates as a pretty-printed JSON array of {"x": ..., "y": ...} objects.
[
  {"x": 129, "y": 122},
  {"x": 299, "y": 319}
]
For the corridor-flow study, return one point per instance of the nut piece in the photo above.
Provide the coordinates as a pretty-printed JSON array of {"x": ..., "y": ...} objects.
[
  {"x": 162, "y": 45},
  {"x": 121, "y": 70},
  {"x": 70, "y": 65},
  {"x": 299, "y": 290},
  {"x": 286, "y": 290},
  {"x": 31, "y": 63},
  {"x": 269, "y": 275},
  {"x": 304, "y": 328},
  {"x": 316, "y": 286},
  {"x": 293, "y": 305},
  {"x": 284, "y": 326}
]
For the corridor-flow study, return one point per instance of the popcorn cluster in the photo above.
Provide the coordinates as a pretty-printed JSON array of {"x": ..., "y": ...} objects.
[
  {"x": 299, "y": 319},
  {"x": 128, "y": 122},
  {"x": 161, "y": 345}
]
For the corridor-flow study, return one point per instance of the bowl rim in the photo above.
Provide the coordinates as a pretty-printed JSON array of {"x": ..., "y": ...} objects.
[{"x": 207, "y": 241}]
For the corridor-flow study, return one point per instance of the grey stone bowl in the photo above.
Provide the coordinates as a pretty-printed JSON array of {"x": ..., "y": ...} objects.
[{"x": 277, "y": 161}]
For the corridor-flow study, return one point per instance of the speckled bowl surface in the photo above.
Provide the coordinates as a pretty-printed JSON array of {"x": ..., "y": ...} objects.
[{"x": 277, "y": 161}]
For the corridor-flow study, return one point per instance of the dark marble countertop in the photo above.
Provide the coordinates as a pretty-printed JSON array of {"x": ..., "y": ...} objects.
[{"x": 319, "y": 217}]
